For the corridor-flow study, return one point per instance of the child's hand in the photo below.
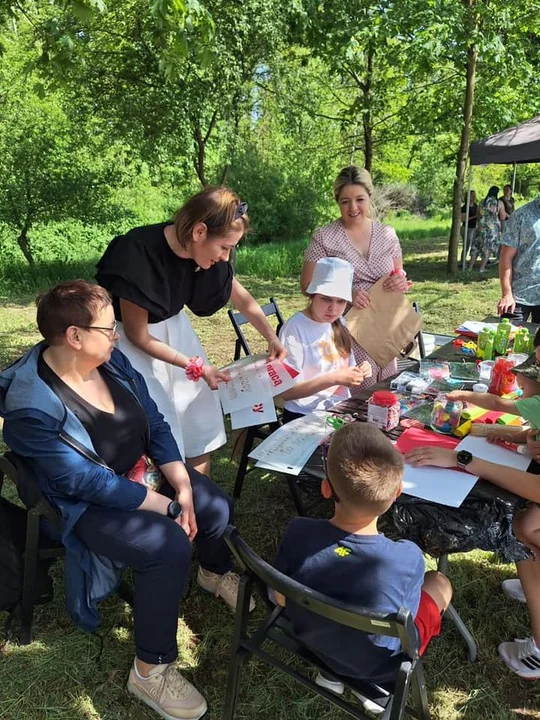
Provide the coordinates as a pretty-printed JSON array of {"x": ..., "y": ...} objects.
[
  {"x": 364, "y": 369},
  {"x": 533, "y": 446},
  {"x": 351, "y": 376},
  {"x": 459, "y": 395},
  {"x": 512, "y": 437},
  {"x": 439, "y": 457}
]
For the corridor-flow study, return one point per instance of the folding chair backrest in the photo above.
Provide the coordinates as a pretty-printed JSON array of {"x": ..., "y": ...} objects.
[
  {"x": 420, "y": 337},
  {"x": 237, "y": 320},
  {"x": 20, "y": 471},
  {"x": 400, "y": 624}
]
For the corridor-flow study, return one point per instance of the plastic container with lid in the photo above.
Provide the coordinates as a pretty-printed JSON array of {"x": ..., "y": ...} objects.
[
  {"x": 446, "y": 414},
  {"x": 383, "y": 410}
]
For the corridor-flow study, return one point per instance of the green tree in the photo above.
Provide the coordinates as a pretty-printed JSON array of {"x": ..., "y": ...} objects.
[{"x": 50, "y": 168}]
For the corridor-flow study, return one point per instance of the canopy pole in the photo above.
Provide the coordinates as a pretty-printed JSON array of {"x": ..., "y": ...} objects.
[
  {"x": 466, "y": 226},
  {"x": 514, "y": 178}
]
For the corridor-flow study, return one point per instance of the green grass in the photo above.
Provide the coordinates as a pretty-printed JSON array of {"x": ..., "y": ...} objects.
[{"x": 57, "y": 677}]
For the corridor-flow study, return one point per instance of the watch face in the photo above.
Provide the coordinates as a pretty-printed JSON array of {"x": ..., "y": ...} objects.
[
  {"x": 174, "y": 510},
  {"x": 464, "y": 457}
]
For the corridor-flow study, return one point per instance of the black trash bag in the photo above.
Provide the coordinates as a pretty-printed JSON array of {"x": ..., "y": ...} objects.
[{"x": 479, "y": 524}]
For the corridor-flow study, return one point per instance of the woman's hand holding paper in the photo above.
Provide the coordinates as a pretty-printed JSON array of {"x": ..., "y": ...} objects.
[{"x": 361, "y": 299}]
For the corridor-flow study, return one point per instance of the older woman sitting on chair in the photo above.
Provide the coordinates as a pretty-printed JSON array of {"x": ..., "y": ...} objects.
[{"x": 104, "y": 456}]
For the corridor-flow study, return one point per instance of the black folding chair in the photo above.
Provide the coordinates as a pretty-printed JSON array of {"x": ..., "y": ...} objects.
[
  {"x": 238, "y": 320},
  {"x": 276, "y": 631},
  {"x": 43, "y": 533},
  {"x": 256, "y": 432}
]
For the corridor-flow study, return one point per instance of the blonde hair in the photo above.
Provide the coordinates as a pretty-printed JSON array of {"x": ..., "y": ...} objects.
[
  {"x": 217, "y": 208},
  {"x": 364, "y": 468},
  {"x": 353, "y": 175}
]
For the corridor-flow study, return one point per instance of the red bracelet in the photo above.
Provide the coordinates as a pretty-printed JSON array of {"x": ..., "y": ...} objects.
[{"x": 194, "y": 368}]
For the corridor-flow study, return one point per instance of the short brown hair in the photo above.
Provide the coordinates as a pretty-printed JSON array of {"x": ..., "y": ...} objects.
[
  {"x": 217, "y": 207},
  {"x": 74, "y": 302},
  {"x": 364, "y": 468}
]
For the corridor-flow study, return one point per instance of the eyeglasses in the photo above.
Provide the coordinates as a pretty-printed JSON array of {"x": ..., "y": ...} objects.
[
  {"x": 324, "y": 454},
  {"x": 109, "y": 331}
]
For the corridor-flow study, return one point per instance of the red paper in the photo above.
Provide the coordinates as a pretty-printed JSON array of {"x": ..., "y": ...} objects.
[
  {"x": 420, "y": 437},
  {"x": 490, "y": 417}
]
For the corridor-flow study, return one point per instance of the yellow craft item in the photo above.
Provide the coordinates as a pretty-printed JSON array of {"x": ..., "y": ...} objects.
[
  {"x": 463, "y": 429},
  {"x": 472, "y": 413}
]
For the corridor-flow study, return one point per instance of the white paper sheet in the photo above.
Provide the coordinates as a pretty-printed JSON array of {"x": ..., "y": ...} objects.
[
  {"x": 255, "y": 415},
  {"x": 254, "y": 380},
  {"x": 475, "y": 326},
  {"x": 440, "y": 485},
  {"x": 289, "y": 448},
  {"x": 483, "y": 450}
]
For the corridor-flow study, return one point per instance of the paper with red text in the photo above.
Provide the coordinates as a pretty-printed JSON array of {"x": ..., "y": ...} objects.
[
  {"x": 254, "y": 380},
  {"x": 257, "y": 414}
]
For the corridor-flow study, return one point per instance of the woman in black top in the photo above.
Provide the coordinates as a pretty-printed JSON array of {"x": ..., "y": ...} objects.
[
  {"x": 104, "y": 456},
  {"x": 152, "y": 273}
]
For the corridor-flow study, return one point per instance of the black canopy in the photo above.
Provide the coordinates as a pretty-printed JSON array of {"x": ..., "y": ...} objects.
[{"x": 519, "y": 144}]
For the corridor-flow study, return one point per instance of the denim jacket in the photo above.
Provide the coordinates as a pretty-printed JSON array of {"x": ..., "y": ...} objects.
[{"x": 39, "y": 427}]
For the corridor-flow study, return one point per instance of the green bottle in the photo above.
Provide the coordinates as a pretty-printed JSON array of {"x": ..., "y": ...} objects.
[
  {"x": 521, "y": 341},
  {"x": 489, "y": 351},
  {"x": 483, "y": 336},
  {"x": 502, "y": 336}
]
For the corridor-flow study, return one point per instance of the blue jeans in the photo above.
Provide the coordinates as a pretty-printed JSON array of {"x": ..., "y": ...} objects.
[{"x": 159, "y": 551}]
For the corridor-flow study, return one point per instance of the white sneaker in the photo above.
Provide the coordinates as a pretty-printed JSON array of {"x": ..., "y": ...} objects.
[
  {"x": 339, "y": 688},
  {"x": 223, "y": 586},
  {"x": 513, "y": 589},
  {"x": 168, "y": 692},
  {"x": 522, "y": 657}
]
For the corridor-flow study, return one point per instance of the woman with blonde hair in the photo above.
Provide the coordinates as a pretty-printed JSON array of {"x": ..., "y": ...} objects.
[
  {"x": 153, "y": 272},
  {"x": 372, "y": 248}
]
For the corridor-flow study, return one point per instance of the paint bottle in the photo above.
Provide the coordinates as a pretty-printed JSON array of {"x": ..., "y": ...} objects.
[{"x": 522, "y": 341}]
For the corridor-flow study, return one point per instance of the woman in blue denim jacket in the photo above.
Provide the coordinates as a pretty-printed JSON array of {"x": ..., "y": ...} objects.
[{"x": 82, "y": 416}]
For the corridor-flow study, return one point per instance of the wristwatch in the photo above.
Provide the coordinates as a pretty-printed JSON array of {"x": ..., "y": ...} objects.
[
  {"x": 463, "y": 459},
  {"x": 174, "y": 510}
]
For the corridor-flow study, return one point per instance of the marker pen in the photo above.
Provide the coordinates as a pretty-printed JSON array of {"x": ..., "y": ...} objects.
[{"x": 515, "y": 447}]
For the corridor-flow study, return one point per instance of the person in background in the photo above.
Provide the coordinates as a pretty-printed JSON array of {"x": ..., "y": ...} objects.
[
  {"x": 473, "y": 218},
  {"x": 106, "y": 459},
  {"x": 508, "y": 201},
  {"x": 348, "y": 559},
  {"x": 319, "y": 345},
  {"x": 153, "y": 272},
  {"x": 372, "y": 248},
  {"x": 519, "y": 267},
  {"x": 488, "y": 229}
]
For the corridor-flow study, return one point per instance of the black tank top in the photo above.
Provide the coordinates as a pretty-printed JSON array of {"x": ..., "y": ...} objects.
[{"x": 118, "y": 438}]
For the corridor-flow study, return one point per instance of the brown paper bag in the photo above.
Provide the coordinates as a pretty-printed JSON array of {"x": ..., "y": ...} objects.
[{"x": 387, "y": 328}]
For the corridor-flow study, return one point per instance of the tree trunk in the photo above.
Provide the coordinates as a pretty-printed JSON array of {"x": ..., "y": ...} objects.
[
  {"x": 461, "y": 165},
  {"x": 23, "y": 241},
  {"x": 366, "y": 117},
  {"x": 200, "y": 152}
]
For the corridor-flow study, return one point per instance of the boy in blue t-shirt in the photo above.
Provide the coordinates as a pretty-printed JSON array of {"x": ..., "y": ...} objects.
[{"x": 348, "y": 560}]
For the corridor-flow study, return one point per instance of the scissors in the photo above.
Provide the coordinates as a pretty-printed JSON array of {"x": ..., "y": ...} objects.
[{"x": 335, "y": 422}]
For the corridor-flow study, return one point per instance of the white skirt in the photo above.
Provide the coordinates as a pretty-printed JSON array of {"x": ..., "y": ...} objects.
[{"x": 192, "y": 410}]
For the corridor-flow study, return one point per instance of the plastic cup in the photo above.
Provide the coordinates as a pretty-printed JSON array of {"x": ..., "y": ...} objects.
[{"x": 486, "y": 368}]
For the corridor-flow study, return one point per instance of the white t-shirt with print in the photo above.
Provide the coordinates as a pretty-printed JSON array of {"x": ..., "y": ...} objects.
[{"x": 312, "y": 351}]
